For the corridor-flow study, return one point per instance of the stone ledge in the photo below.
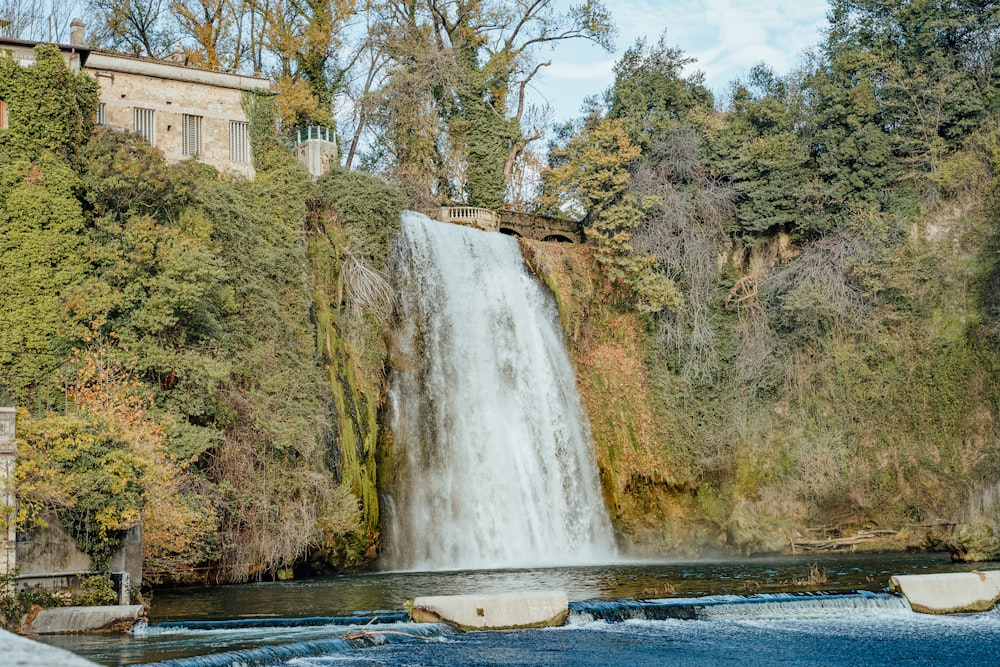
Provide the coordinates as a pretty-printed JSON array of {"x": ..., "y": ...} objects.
[
  {"x": 949, "y": 593},
  {"x": 24, "y": 652},
  {"x": 63, "y": 620},
  {"x": 507, "y": 611}
]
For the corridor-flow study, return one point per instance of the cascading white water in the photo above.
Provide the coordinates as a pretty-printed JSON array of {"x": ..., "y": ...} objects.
[{"x": 494, "y": 458}]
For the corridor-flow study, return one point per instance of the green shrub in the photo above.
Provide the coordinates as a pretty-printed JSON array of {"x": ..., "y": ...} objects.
[
  {"x": 368, "y": 210},
  {"x": 95, "y": 591}
]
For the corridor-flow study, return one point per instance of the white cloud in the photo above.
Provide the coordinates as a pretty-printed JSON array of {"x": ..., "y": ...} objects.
[
  {"x": 727, "y": 37},
  {"x": 581, "y": 71}
]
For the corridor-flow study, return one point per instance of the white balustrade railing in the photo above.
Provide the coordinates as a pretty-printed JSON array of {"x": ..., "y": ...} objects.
[{"x": 481, "y": 218}]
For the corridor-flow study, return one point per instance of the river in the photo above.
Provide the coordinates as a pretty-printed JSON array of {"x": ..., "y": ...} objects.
[{"x": 755, "y": 612}]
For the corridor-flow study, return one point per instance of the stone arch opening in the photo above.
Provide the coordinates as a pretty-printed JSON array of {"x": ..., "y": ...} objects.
[
  {"x": 509, "y": 231},
  {"x": 558, "y": 238}
]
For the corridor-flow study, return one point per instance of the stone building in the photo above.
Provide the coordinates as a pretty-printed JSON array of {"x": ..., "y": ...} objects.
[{"x": 184, "y": 111}]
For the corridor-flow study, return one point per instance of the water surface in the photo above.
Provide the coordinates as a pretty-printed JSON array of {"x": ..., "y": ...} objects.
[{"x": 836, "y": 629}]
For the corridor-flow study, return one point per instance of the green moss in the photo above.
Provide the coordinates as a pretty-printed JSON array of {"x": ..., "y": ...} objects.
[{"x": 352, "y": 215}]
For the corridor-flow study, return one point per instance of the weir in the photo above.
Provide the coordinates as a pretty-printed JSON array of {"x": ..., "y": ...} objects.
[
  {"x": 737, "y": 607},
  {"x": 494, "y": 466}
]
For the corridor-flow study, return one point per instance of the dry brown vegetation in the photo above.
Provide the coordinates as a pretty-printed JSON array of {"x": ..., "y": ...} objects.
[
  {"x": 842, "y": 385},
  {"x": 609, "y": 353}
]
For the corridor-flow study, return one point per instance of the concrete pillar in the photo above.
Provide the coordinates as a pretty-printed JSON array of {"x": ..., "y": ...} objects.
[
  {"x": 8, "y": 500},
  {"x": 76, "y": 31},
  {"x": 316, "y": 149},
  {"x": 949, "y": 592},
  {"x": 504, "y": 611}
]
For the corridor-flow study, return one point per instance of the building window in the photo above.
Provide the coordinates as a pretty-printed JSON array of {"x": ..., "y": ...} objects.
[
  {"x": 239, "y": 146},
  {"x": 144, "y": 125},
  {"x": 192, "y": 135},
  {"x": 3, "y": 114},
  {"x": 102, "y": 114}
]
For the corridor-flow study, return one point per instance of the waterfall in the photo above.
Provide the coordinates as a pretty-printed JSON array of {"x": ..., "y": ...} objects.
[{"x": 493, "y": 457}]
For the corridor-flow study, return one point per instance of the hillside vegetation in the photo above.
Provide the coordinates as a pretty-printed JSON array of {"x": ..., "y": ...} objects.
[
  {"x": 785, "y": 321},
  {"x": 183, "y": 343},
  {"x": 808, "y": 277}
]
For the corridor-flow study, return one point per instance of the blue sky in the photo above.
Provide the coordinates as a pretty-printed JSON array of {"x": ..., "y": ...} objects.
[{"x": 727, "y": 37}]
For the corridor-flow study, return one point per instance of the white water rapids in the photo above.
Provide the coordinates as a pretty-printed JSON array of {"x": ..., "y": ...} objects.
[{"x": 493, "y": 458}]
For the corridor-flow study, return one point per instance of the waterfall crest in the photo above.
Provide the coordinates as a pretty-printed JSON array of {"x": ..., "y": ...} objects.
[{"x": 494, "y": 459}]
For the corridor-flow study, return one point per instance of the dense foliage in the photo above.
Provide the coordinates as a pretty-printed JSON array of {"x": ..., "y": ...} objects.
[
  {"x": 160, "y": 324},
  {"x": 786, "y": 318},
  {"x": 830, "y": 359}
]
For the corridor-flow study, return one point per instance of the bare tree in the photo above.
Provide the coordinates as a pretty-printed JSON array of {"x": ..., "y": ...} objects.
[
  {"x": 136, "y": 26},
  {"x": 42, "y": 20},
  {"x": 479, "y": 58},
  {"x": 825, "y": 267},
  {"x": 367, "y": 288},
  {"x": 371, "y": 59},
  {"x": 684, "y": 233}
]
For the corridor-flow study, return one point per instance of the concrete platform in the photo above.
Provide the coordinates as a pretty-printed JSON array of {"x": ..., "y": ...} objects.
[
  {"x": 64, "y": 620},
  {"x": 23, "y": 652},
  {"x": 507, "y": 611},
  {"x": 949, "y": 593}
]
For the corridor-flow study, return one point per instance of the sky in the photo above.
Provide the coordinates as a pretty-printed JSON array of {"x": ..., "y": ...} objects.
[{"x": 727, "y": 37}]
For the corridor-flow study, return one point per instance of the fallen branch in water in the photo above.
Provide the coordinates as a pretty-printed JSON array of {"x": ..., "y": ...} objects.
[
  {"x": 836, "y": 543},
  {"x": 817, "y": 577},
  {"x": 667, "y": 589},
  {"x": 365, "y": 634}
]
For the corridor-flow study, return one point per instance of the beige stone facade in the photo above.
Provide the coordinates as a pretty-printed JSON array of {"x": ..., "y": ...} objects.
[
  {"x": 184, "y": 111},
  {"x": 23, "y": 52}
]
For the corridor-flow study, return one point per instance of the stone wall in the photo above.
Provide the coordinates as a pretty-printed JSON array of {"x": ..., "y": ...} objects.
[
  {"x": 8, "y": 501},
  {"x": 539, "y": 227},
  {"x": 49, "y": 559},
  {"x": 316, "y": 155},
  {"x": 170, "y": 91}
]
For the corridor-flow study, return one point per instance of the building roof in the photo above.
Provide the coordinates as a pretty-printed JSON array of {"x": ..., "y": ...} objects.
[
  {"x": 83, "y": 50},
  {"x": 113, "y": 61}
]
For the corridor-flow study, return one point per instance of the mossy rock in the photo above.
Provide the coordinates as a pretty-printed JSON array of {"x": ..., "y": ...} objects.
[
  {"x": 751, "y": 533},
  {"x": 973, "y": 543}
]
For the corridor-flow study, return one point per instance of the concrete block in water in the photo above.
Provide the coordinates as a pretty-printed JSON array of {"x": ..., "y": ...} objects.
[
  {"x": 949, "y": 593},
  {"x": 24, "y": 652},
  {"x": 506, "y": 611},
  {"x": 108, "y": 618}
]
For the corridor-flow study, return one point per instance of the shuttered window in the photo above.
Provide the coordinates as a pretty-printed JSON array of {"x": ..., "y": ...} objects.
[
  {"x": 192, "y": 135},
  {"x": 102, "y": 114},
  {"x": 144, "y": 125},
  {"x": 239, "y": 144},
  {"x": 3, "y": 114}
]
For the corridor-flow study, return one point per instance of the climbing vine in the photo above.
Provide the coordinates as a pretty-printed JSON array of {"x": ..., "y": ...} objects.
[{"x": 49, "y": 107}]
